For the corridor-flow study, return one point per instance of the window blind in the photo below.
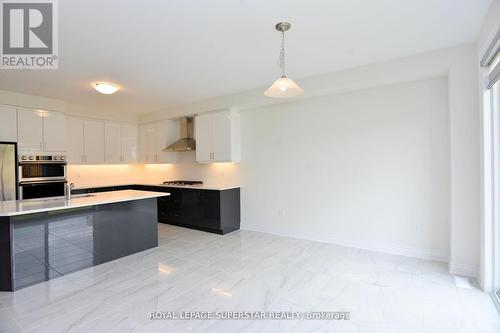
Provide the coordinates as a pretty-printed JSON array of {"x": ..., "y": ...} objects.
[{"x": 491, "y": 59}]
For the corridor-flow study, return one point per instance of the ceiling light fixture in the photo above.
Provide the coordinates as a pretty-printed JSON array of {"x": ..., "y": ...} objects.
[
  {"x": 106, "y": 88},
  {"x": 284, "y": 86}
]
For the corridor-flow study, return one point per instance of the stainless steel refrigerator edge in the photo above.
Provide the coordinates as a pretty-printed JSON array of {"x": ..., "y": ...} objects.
[{"x": 8, "y": 171}]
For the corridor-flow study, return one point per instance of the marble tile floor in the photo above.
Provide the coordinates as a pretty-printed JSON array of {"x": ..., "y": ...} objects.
[{"x": 251, "y": 271}]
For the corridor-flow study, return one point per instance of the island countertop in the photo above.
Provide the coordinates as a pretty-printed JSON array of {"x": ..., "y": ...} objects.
[{"x": 22, "y": 207}]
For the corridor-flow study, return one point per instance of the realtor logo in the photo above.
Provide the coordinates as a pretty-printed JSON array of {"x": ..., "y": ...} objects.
[{"x": 29, "y": 34}]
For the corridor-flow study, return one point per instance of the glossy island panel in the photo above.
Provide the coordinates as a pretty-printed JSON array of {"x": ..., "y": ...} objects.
[{"x": 41, "y": 246}]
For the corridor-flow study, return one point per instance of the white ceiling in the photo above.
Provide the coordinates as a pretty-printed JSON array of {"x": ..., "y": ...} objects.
[{"x": 169, "y": 53}]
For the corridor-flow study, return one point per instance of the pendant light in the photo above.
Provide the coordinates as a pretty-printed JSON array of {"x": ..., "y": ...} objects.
[{"x": 284, "y": 86}]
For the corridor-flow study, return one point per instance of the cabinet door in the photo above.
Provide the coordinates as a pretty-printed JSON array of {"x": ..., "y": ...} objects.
[
  {"x": 8, "y": 124},
  {"x": 54, "y": 131},
  {"x": 203, "y": 133},
  {"x": 151, "y": 142},
  {"x": 93, "y": 135},
  {"x": 130, "y": 140},
  {"x": 30, "y": 129},
  {"x": 74, "y": 140},
  {"x": 156, "y": 142},
  {"x": 221, "y": 136},
  {"x": 143, "y": 144},
  {"x": 113, "y": 143}
]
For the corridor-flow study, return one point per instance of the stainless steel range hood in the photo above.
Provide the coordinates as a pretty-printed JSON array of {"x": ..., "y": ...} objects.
[{"x": 186, "y": 142}]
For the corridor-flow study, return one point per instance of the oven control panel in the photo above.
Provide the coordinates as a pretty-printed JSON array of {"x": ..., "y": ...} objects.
[{"x": 42, "y": 158}]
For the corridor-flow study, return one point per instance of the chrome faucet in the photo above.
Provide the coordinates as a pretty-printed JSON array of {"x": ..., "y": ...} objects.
[{"x": 68, "y": 190}]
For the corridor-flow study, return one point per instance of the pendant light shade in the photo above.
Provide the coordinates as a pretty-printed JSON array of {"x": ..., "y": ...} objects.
[{"x": 284, "y": 87}]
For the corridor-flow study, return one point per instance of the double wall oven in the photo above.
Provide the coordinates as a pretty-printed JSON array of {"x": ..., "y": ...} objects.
[{"x": 42, "y": 176}]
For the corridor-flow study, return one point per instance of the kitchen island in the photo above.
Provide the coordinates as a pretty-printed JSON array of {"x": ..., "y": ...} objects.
[{"x": 45, "y": 239}]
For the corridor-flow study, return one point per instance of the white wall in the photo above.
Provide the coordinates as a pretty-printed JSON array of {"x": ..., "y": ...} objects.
[{"x": 368, "y": 169}]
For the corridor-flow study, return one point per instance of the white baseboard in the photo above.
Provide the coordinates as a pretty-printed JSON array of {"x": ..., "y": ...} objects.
[
  {"x": 463, "y": 270},
  {"x": 396, "y": 249}
]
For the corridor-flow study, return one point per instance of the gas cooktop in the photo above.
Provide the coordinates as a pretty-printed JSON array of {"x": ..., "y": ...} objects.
[{"x": 182, "y": 182}]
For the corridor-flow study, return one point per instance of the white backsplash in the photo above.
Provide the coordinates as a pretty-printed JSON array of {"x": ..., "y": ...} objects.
[{"x": 185, "y": 169}]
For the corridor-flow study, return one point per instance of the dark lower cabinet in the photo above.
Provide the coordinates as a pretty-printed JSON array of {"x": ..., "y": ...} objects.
[
  {"x": 216, "y": 211},
  {"x": 207, "y": 210}
]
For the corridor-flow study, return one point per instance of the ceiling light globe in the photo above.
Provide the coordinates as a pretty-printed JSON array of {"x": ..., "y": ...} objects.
[{"x": 106, "y": 88}]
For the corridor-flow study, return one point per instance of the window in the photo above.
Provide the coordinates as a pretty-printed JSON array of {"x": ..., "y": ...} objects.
[{"x": 491, "y": 169}]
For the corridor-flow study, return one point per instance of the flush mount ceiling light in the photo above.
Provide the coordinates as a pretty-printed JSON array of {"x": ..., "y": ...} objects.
[
  {"x": 284, "y": 86},
  {"x": 106, "y": 88}
]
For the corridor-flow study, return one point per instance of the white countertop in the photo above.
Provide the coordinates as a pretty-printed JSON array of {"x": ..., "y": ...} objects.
[
  {"x": 21, "y": 207},
  {"x": 216, "y": 187}
]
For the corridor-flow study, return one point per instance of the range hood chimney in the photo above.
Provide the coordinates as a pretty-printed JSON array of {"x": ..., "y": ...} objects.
[{"x": 186, "y": 142}]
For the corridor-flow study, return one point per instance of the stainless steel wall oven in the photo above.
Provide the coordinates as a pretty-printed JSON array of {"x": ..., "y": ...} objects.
[{"x": 42, "y": 176}]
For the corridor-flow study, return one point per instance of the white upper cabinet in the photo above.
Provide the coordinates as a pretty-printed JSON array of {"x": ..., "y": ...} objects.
[
  {"x": 54, "y": 131},
  {"x": 204, "y": 138},
  {"x": 221, "y": 136},
  {"x": 8, "y": 123},
  {"x": 74, "y": 140},
  {"x": 130, "y": 143},
  {"x": 85, "y": 141},
  {"x": 93, "y": 141},
  {"x": 30, "y": 129},
  {"x": 113, "y": 142},
  {"x": 121, "y": 143},
  {"x": 143, "y": 144},
  {"x": 40, "y": 130},
  {"x": 218, "y": 137},
  {"x": 153, "y": 138}
]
